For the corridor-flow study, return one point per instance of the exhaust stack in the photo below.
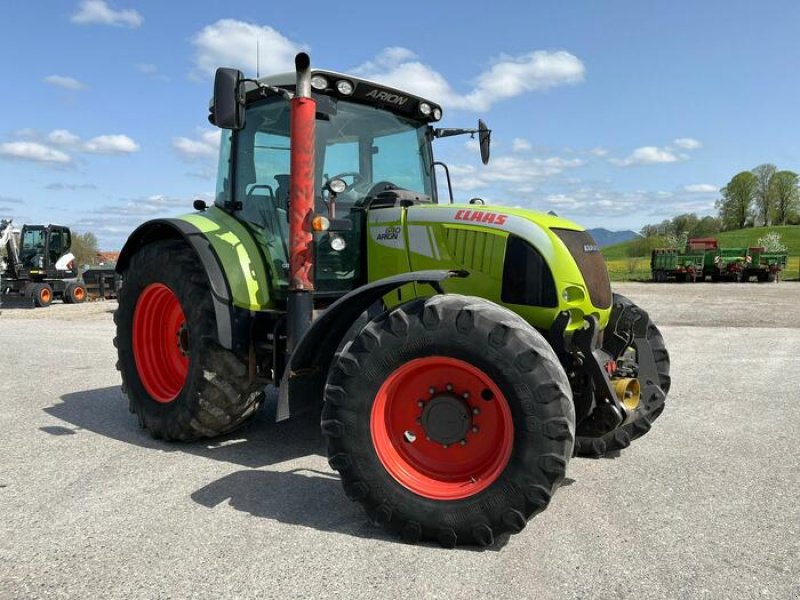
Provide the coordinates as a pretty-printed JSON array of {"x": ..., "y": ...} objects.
[{"x": 301, "y": 209}]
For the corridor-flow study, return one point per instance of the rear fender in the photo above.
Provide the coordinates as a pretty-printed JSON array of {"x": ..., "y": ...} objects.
[
  {"x": 233, "y": 327},
  {"x": 303, "y": 380}
]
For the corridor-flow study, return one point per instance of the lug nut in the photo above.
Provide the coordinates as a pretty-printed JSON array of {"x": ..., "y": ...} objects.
[
  {"x": 476, "y": 411},
  {"x": 410, "y": 437},
  {"x": 445, "y": 446},
  {"x": 420, "y": 403},
  {"x": 431, "y": 390},
  {"x": 465, "y": 395},
  {"x": 475, "y": 429},
  {"x": 463, "y": 442},
  {"x": 449, "y": 387}
]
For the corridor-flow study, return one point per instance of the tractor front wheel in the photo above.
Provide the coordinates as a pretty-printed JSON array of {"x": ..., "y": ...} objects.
[
  {"x": 179, "y": 381},
  {"x": 449, "y": 418},
  {"x": 647, "y": 411}
]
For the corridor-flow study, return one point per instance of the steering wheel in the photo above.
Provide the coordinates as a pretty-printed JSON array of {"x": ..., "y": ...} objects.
[{"x": 357, "y": 177}]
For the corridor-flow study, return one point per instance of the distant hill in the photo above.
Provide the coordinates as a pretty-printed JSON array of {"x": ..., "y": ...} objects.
[{"x": 605, "y": 237}]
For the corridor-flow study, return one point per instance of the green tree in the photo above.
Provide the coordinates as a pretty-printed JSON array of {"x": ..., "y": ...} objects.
[
  {"x": 683, "y": 224},
  {"x": 707, "y": 226},
  {"x": 764, "y": 192},
  {"x": 735, "y": 206},
  {"x": 84, "y": 247},
  {"x": 785, "y": 196}
]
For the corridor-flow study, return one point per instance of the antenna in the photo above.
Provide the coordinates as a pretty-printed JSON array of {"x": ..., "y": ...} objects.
[{"x": 258, "y": 59}]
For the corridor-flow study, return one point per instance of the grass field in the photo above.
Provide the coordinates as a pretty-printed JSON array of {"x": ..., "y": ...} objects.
[{"x": 621, "y": 267}]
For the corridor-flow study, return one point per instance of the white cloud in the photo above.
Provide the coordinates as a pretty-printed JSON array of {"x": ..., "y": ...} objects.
[
  {"x": 68, "y": 83},
  {"x": 99, "y": 12},
  {"x": 52, "y": 147},
  {"x": 506, "y": 78},
  {"x": 232, "y": 43},
  {"x": 520, "y": 145},
  {"x": 204, "y": 145},
  {"x": 599, "y": 151},
  {"x": 102, "y": 144},
  {"x": 648, "y": 155},
  {"x": 62, "y": 137},
  {"x": 510, "y": 170},
  {"x": 33, "y": 151},
  {"x": 58, "y": 186},
  {"x": 110, "y": 144},
  {"x": 687, "y": 143},
  {"x": 701, "y": 188}
]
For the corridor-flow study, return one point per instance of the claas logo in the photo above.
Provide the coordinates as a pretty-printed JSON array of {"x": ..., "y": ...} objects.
[{"x": 479, "y": 216}]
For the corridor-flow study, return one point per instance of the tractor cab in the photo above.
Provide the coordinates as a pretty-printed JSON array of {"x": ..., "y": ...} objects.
[{"x": 372, "y": 150}]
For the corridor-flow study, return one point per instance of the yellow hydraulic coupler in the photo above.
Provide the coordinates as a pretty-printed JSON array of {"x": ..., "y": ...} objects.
[{"x": 628, "y": 391}]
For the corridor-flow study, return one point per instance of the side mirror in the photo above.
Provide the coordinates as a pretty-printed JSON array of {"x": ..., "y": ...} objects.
[
  {"x": 228, "y": 111},
  {"x": 485, "y": 138}
]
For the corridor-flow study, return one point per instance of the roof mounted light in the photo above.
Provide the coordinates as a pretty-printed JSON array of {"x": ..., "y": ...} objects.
[
  {"x": 425, "y": 109},
  {"x": 318, "y": 82},
  {"x": 437, "y": 113},
  {"x": 345, "y": 87}
]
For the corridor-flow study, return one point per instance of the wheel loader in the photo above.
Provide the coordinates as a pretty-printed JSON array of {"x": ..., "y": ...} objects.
[{"x": 457, "y": 355}]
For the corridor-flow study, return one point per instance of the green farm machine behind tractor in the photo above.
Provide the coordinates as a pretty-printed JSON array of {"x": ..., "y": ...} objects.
[{"x": 458, "y": 355}]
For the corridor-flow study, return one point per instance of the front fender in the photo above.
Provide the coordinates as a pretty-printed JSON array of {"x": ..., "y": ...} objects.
[{"x": 303, "y": 380}]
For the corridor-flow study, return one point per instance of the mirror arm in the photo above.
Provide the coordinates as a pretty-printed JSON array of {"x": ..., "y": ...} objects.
[
  {"x": 266, "y": 90},
  {"x": 443, "y": 133}
]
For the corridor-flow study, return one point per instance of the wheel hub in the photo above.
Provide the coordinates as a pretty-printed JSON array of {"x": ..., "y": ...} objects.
[{"x": 446, "y": 419}]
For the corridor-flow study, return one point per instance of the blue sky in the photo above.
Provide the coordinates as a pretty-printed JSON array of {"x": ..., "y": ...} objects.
[{"x": 614, "y": 114}]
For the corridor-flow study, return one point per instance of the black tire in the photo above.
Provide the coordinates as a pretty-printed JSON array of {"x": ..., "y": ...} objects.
[
  {"x": 772, "y": 277},
  {"x": 649, "y": 409},
  {"x": 42, "y": 294},
  {"x": 75, "y": 293},
  {"x": 521, "y": 364},
  {"x": 217, "y": 395}
]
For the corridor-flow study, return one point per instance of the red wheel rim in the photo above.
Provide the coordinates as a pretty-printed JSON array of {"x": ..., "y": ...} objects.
[
  {"x": 413, "y": 457},
  {"x": 160, "y": 343}
]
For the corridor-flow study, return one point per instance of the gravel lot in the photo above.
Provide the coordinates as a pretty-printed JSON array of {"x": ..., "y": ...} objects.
[{"x": 705, "y": 506}]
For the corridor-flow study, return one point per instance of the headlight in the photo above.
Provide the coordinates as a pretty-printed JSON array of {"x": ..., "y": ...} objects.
[
  {"x": 337, "y": 243},
  {"x": 337, "y": 186},
  {"x": 318, "y": 82},
  {"x": 345, "y": 87}
]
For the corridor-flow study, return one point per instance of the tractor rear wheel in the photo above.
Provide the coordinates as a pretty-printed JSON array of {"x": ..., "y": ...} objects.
[
  {"x": 449, "y": 418},
  {"x": 75, "y": 294},
  {"x": 179, "y": 381},
  {"x": 42, "y": 294},
  {"x": 648, "y": 410}
]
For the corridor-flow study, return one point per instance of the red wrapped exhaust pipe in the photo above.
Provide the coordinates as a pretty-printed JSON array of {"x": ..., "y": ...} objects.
[{"x": 301, "y": 182}]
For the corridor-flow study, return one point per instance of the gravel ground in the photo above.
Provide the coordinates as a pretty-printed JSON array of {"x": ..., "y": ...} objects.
[{"x": 705, "y": 506}]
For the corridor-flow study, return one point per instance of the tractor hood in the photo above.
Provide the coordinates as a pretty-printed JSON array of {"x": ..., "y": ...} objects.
[{"x": 541, "y": 264}]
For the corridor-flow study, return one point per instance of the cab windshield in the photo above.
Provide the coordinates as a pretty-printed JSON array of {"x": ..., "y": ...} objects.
[{"x": 369, "y": 148}]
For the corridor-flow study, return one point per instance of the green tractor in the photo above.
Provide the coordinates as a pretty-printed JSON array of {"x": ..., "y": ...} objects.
[{"x": 458, "y": 355}]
